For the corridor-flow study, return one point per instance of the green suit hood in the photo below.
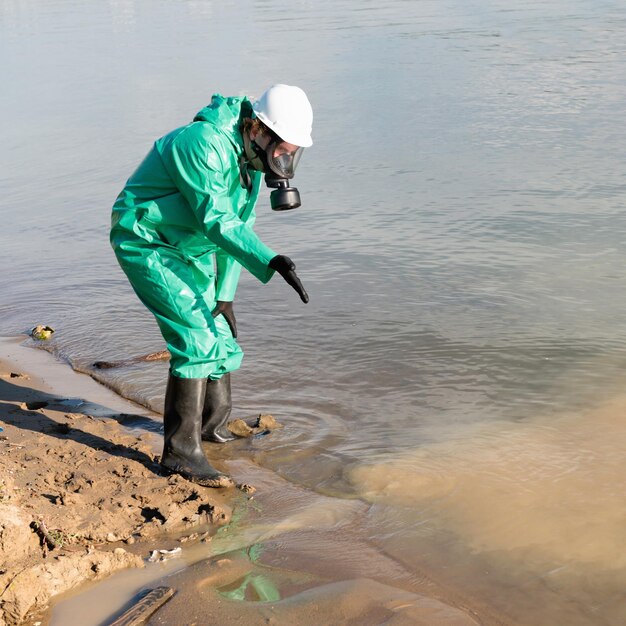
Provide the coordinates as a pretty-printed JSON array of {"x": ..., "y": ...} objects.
[{"x": 226, "y": 113}]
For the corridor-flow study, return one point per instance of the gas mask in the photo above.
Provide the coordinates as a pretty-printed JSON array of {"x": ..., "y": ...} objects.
[{"x": 279, "y": 161}]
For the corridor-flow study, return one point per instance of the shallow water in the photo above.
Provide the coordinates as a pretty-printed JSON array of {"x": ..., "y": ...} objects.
[
  {"x": 460, "y": 238},
  {"x": 289, "y": 557}
]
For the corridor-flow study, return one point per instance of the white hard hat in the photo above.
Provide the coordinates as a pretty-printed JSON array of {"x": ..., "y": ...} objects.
[{"x": 287, "y": 111}]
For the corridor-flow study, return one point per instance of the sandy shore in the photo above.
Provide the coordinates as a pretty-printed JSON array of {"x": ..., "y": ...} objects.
[{"x": 81, "y": 495}]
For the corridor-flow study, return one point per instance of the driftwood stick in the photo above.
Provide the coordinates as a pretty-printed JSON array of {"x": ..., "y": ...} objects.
[
  {"x": 142, "y": 610},
  {"x": 162, "y": 355}
]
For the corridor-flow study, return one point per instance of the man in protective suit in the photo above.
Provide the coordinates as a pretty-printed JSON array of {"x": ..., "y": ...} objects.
[{"x": 182, "y": 230}]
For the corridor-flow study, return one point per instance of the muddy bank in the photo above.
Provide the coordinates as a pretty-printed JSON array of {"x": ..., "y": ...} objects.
[
  {"x": 294, "y": 558},
  {"x": 81, "y": 495},
  {"x": 82, "y": 500}
]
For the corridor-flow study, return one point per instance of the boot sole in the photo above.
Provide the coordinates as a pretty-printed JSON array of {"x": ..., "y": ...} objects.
[{"x": 221, "y": 480}]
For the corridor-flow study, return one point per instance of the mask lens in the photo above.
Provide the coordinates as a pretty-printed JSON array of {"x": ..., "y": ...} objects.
[{"x": 284, "y": 160}]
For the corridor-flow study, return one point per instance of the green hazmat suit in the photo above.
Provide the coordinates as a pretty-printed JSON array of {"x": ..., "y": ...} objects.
[{"x": 181, "y": 230}]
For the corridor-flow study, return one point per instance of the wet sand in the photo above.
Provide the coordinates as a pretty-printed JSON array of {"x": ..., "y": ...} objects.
[
  {"x": 81, "y": 495},
  {"x": 86, "y": 469},
  {"x": 289, "y": 557}
]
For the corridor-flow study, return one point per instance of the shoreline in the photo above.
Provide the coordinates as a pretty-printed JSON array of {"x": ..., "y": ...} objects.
[
  {"x": 81, "y": 459},
  {"x": 81, "y": 495}
]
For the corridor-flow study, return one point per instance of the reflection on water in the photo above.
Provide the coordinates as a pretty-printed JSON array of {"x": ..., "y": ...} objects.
[
  {"x": 295, "y": 558},
  {"x": 361, "y": 601},
  {"x": 461, "y": 238}
]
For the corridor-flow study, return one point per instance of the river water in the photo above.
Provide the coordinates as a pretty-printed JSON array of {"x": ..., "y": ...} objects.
[{"x": 459, "y": 367}]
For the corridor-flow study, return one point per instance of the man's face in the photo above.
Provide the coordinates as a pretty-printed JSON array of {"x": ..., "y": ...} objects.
[
  {"x": 280, "y": 158},
  {"x": 263, "y": 140}
]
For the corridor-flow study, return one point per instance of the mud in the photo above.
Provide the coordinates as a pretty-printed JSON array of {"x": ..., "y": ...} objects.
[
  {"x": 80, "y": 496},
  {"x": 261, "y": 425},
  {"x": 82, "y": 499}
]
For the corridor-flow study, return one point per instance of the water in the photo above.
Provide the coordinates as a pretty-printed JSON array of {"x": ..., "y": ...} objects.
[{"x": 461, "y": 239}]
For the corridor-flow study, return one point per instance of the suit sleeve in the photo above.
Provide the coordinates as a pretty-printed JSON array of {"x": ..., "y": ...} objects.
[
  {"x": 229, "y": 270},
  {"x": 228, "y": 273}
]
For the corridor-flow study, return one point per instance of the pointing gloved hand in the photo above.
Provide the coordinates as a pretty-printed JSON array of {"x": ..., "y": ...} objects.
[
  {"x": 287, "y": 269},
  {"x": 226, "y": 309}
]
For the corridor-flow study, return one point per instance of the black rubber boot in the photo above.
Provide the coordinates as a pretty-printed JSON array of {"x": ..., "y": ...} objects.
[
  {"x": 217, "y": 406},
  {"x": 182, "y": 419}
]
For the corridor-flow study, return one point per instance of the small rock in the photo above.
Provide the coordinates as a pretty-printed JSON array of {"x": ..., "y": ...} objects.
[
  {"x": 33, "y": 406},
  {"x": 119, "y": 551},
  {"x": 240, "y": 428},
  {"x": 129, "y": 541},
  {"x": 15, "y": 375},
  {"x": 68, "y": 498},
  {"x": 163, "y": 555},
  {"x": 249, "y": 489},
  {"x": 111, "y": 538},
  {"x": 268, "y": 422},
  {"x": 256, "y": 426}
]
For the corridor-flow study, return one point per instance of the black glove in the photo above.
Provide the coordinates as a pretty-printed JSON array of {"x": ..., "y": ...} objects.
[
  {"x": 287, "y": 269},
  {"x": 226, "y": 309}
]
